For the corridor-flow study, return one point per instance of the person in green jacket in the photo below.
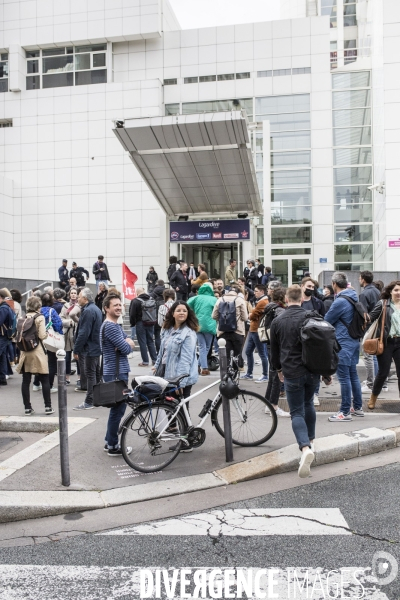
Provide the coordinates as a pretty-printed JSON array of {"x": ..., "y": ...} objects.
[{"x": 203, "y": 305}]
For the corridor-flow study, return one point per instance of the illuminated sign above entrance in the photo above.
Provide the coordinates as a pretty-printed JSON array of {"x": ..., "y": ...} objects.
[{"x": 199, "y": 231}]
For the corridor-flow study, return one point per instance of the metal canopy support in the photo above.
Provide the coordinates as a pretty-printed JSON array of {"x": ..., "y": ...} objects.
[{"x": 195, "y": 163}]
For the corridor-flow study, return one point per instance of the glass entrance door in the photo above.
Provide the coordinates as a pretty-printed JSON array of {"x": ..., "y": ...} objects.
[
  {"x": 290, "y": 270},
  {"x": 215, "y": 258}
]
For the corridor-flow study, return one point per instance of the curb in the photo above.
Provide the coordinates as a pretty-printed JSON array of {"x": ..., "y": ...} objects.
[
  {"x": 333, "y": 448},
  {"x": 21, "y": 505}
]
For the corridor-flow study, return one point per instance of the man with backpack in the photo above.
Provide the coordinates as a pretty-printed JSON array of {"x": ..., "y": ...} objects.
[
  {"x": 345, "y": 315},
  {"x": 231, "y": 314},
  {"x": 287, "y": 359},
  {"x": 143, "y": 316},
  {"x": 7, "y": 331}
]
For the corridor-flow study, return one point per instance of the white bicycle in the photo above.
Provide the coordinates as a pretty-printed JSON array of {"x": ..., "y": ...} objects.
[{"x": 158, "y": 429}]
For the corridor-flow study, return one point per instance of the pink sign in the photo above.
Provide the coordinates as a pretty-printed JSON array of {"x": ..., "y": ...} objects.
[{"x": 394, "y": 243}]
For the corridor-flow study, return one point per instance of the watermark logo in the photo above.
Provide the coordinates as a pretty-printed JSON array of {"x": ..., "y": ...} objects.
[{"x": 384, "y": 567}]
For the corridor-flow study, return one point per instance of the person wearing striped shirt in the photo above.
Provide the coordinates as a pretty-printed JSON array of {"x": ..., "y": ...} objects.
[{"x": 113, "y": 338}]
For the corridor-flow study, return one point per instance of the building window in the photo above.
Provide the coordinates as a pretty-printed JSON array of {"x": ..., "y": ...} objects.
[
  {"x": 301, "y": 71},
  {"x": 189, "y": 108},
  {"x": 280, "y": 72},
  {"x": 4, "y": 72},
  {"x": 170, "y": 81},
  {"x": 226, "y": 77},
  {"x": 264, "y": 73},
  {"x": 68, "y": 66},
  {"x": 328, "y": 7},
  {"x": 349, "y": 13},
  {"x": 350, "y": 51},
  {"x": 191, "y": 80},
  {"x": 333, "y": 50},
  {"x": 242, "y": 75},
  {"x": 6, "y": 122},
  {"x": 207, "y": 78},
  {"x": 172, "y": 109}
]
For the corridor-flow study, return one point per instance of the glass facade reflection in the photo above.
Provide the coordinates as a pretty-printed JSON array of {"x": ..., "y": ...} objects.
[{"x": 352, "y": 171}]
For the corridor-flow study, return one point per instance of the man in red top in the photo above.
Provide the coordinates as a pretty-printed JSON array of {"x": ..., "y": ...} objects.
[{"x": 253, "y": 341}]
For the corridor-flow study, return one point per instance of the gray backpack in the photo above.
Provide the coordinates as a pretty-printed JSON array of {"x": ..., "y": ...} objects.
[{"x": 149, "y": 312}]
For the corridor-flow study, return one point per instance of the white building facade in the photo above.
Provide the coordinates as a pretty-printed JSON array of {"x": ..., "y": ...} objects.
[{"x": 321, "y": 86}]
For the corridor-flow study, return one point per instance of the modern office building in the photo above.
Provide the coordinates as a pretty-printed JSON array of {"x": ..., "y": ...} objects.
[{"x": 123, "y": 135}]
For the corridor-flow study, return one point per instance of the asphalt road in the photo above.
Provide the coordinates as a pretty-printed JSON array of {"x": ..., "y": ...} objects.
[{"x": 100, "y": 567}]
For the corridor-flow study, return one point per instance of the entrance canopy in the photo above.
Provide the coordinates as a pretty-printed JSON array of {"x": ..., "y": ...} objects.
[{"x": 195, "y": 164}]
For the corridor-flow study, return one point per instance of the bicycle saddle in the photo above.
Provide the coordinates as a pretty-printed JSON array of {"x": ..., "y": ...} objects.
[{"x": 177, "y": 380}]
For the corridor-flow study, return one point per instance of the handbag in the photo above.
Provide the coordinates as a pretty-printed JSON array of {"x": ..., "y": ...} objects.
[
  {"x": 54, "y": 341},
  {"x": 108, "y": 393},
  {"x": 375, "y": 345}
]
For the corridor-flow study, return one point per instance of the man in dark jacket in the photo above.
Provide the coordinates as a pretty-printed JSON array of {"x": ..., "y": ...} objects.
[
  {"x": 151, "y": 279},
  {"x": 100, "y": 271},
  {"x": 157, "y": 294},
  {"x": 369, "y": 296},
  {"x": 286, "y": 358},
  {"x": 63, "y": 274},
  {"x": 144, "y": 333},
  {"x": 87, "y": 346},
  {"x": 180, "y": 282},
  {"x": 77, "y": 273}
]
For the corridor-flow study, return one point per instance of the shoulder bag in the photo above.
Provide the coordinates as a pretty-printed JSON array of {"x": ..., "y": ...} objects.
[
  {"x": 54, "y": 341},
  {"x": 108, "y": 394},
  {"x": 375, "y": 345}
]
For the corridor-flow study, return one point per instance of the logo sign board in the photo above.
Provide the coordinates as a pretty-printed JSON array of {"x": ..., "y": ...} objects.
[
  {"x": 323, "y": 260},
  {"x": 394, "y": 243},
  {"x": 200, "y": 231}
]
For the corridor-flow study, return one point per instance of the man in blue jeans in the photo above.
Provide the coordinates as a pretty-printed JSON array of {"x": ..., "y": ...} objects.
[
  {"x": 113, "y": 339},
  {"x": 286, "y": 358},
  {"x": 340, "y": 316}
]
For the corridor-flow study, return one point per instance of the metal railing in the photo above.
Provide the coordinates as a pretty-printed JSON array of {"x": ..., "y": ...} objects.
[{"x": 37, "y": 286}]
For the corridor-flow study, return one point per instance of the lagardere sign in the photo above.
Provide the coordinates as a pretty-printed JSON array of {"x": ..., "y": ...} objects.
[{"x": 201, "y": 231}]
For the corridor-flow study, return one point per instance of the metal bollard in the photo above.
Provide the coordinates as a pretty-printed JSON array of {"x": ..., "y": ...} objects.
[
  {"x": 63, "y": 419},
  {"x": 226, "y": 409}
]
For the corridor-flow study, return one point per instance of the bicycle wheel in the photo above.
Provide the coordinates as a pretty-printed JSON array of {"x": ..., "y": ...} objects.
[
  {"x": 150, "y": 451},
  {"x": 250, "y": 425}
]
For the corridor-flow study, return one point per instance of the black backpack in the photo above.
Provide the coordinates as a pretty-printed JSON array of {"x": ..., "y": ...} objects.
[
  {"x": 227, "y": 316},
  {"x": 320, "y": 347},
  {"x": 171, "y": 270},
  {"x": 359, "y": 323},
  {"x": 149, "y": 312}
]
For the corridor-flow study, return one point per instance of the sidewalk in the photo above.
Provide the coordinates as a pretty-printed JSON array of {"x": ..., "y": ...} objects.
[{"x": 93, "y": 470}]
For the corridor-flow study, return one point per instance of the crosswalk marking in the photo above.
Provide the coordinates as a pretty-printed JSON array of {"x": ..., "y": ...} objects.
[
  {"x": 247, "y": 522},
  {"x": 56, "y": 582}
]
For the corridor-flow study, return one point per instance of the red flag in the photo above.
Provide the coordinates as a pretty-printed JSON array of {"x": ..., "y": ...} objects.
[{"x": 128, "y": 282}]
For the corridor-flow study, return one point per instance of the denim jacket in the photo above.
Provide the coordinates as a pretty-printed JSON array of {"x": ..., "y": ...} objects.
[{"x": 181, "y": 354}]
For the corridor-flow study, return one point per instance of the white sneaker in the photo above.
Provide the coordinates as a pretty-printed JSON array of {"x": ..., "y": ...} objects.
[
  {"x": 257, "y": 362},
  {"x": 281, "y": 413},
  {"x": 365, "y": 389},
  {"x": 312, "y": 447},
  {"x": 37, "y": 388},
  {"x": 306, "y": 459},
  {"x": 53, "y": 390},
  {"x": 384, "y": 389},
  {"x": 316, "y": 400}
]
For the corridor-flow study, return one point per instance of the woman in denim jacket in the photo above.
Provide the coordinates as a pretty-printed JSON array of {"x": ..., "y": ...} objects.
[{"x": 177, "y": 354}]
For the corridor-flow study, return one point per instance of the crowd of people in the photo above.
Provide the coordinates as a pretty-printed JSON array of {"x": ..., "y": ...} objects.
[{"x": 177, "y": 324}]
